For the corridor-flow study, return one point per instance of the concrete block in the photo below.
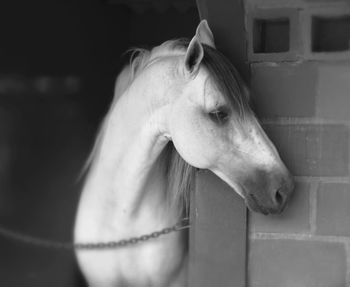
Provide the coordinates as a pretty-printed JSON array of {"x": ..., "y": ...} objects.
[
  {"x": 312, "y": 150},
  {"x": 309, "y": 32},
  {"x": 294, "y": 219},
  {"x": 288, "y": 263},
  {"x": 272, "y": 32},
  {"x": 333, "y": 99},
  {"x": 333, "y": 209},
  {"x": 284, "y": 90}
]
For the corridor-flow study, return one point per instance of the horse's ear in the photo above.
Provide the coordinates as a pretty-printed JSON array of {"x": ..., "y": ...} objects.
[
  {"x": 204, "y": 34},
  {"x": 194, "y": 56}
]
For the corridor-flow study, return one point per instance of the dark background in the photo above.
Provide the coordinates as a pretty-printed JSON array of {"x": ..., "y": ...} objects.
[{"x": 58, "y": 64}]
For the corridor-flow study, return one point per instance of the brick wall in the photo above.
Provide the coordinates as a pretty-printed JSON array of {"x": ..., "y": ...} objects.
[{"x": 302, "y": 95}]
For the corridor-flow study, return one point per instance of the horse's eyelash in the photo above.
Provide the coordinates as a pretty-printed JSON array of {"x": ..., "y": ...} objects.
[{"x": 219, "y": 115}]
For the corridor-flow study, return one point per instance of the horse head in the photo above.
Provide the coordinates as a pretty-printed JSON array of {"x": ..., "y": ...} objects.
[{"x": 213, "y": 127}]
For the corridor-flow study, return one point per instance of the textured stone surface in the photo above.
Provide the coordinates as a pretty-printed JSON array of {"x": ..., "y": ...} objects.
[
  {"x": 287, "y": 263},
  {"x": 285, "y": 90},
  {"x": 294, "y": 219},
  {"x": 333, "y": 100},
  {"x": 333, "y": 209},
  {"x": 312, "y": 150}
]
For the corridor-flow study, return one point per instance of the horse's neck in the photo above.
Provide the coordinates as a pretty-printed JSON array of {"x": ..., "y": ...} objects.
[{"x": 126, "y": 180}]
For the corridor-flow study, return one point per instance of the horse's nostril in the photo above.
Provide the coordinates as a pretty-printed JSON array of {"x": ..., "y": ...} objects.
[{"x": 279, "y": 197}]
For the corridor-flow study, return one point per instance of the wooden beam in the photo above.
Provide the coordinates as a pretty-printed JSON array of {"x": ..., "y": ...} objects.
[
  {"x": 217, "y": 235},
  {"x": 226, "y": 20},
  {"x": 217, "y": 255}
]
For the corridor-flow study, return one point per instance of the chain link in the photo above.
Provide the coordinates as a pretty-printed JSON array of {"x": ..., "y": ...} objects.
[{"x": 31, "y": 240}]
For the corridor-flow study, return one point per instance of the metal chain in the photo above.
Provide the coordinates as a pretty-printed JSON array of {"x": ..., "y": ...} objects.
[{"x": 24, "y": 238}]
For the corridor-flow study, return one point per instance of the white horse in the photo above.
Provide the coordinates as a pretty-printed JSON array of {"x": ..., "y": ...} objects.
[{"x": 177, "y": 108}]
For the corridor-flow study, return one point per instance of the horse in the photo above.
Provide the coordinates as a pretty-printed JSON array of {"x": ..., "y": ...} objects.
[{"x": 177, "y": 108}]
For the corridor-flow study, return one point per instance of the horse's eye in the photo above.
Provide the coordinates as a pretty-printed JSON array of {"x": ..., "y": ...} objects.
[{"x": 219, "y": 116}]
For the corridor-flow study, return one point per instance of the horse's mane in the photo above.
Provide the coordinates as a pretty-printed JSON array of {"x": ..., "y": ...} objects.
[{"x": 181, "y": 175}]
